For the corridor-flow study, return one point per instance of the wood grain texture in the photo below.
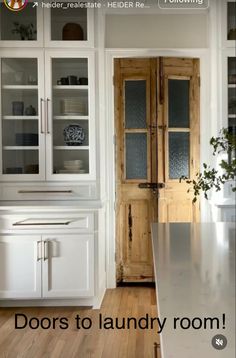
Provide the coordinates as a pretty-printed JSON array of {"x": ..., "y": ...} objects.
[
  {"x": 93, "y": 343},
  {"x": 135, "y": 208}
]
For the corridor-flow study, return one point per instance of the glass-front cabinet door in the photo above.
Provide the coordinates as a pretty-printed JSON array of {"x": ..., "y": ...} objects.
[
  {"x": 68, "y": 24},
  {"x": 20, "y": 27},
  {"x": 69, "y": 115},
  {"x": 50, "y": 23},
  {"x": 22, "y": 139},
  {"x": 231, "y": 21}
]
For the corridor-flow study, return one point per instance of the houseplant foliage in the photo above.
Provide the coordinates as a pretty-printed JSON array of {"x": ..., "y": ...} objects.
[
  {"x": 26, "y": 32},
  {"x": 210, "y": 178}
]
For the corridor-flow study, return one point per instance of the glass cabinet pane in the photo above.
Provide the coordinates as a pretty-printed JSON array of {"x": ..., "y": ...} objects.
[
  {"x": 178, "y": 101},
  {"x": 232, "y": 70},
  {"x": 136, "y": 155},
  {"x": 18, "y": 25},
  {"x": 20, "y": 141},
  {"x": 232, "y": 101},
  {"x": 69, "y": 23},
  {"x": 231, "y": 20},
  {"x": 135, "y": 104},
  {"x": 179, "y": 147},
  {"x": 70, "y": 115}
]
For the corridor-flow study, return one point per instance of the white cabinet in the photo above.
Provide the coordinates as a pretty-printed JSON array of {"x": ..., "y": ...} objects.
[
  {"x": 47, "y": 116},
  {"x": 228, "y": 39},
  {"x": 53, "y": 24},
  {"x": 68, "y": 266},
  {"x": 20, "y": 267},
  {"x": 66, "y": 263}
]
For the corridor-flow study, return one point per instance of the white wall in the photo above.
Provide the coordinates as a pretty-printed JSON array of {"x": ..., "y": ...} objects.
[{"x": 157, "y": 31}]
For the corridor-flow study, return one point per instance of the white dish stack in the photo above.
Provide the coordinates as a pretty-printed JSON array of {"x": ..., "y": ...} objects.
[
  {"x": 74, "y": 106},
  {"x": 72, "y": 167}
]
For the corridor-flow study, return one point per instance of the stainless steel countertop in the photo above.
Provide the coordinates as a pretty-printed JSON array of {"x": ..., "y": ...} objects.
[{"x": 195, "y": 277}]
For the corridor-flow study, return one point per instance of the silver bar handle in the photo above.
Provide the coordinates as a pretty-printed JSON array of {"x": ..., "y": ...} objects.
[
  {"x": 41, "y": 115},
  {"x": 45, "y": 250},
  {"x": 39, "y": 251},
  {"x": 47, "y": 115},
  {"x": 45, "y": 191},
  {"x": 20, "y": 223}
]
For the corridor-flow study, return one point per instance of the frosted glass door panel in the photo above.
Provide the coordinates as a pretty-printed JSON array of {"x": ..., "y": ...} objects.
[
  {"x": 178, "y": 155},
  {"x": 178, "y": 103},
  {"x": 135, "y": 104},
  {"x": 18, "y": 25},
  {"x": 136, "y": 155}
]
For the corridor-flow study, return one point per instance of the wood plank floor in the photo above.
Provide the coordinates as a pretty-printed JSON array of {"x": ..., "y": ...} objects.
[{"x": 122, "y": 302}]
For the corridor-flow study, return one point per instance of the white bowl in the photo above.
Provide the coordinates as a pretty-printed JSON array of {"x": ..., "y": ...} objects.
[
  {"x": 72, "y": 162},
  {"x": 72, "y": 167}
]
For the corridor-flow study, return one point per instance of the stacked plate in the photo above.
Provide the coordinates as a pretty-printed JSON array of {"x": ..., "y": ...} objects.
[
  {"x": 72, "y": 167},
  {"x": 73, "y": 106}
]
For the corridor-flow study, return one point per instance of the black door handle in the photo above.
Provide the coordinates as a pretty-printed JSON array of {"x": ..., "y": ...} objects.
[{"x": 153, "y": 186}]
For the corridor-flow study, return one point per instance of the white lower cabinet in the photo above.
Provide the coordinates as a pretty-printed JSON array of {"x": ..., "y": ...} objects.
[
  {"x": 54, "y": 266},
  {"x": 68, "y": 266},
  {"x": 20, "y": 267}
]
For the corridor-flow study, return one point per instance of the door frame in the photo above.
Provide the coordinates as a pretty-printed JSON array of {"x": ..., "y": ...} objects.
[{"x": 110, "y": 55}]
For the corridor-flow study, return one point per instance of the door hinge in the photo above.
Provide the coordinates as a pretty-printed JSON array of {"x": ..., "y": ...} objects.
[
  {"x": 113, "y": 80},
  {"x": 114, "y": 139},
  {"x": 199, "y": 81}
]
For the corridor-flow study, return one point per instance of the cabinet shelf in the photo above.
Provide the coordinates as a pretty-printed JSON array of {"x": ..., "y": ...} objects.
[
  {"x": 71, "y": 117},
  {"x": 20, "y": 87},
  {"x": 18, "y": 118},
  {"x": 231, "y": 115},
  {"x": 231, "y": 85},
  {"x": 71, "y": 147},
  {"x": 75, "y": 87},
  {"x": 18, "y": 147}
]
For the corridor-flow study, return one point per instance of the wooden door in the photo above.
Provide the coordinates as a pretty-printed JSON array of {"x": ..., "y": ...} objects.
[
  {"x": 178, "y": 138},
  {"x": 157, "y": 141}
]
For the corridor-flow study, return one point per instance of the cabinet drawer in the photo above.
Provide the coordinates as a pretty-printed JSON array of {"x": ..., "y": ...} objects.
[
  {"x": 47, "y": 192},
  {"x": 81, "y": 222}
]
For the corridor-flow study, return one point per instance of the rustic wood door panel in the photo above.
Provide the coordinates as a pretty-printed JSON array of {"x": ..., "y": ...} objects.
[{"x": 157, "y": 140}]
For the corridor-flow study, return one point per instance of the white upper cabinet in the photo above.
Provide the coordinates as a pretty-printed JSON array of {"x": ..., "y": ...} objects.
[
  {"x": 228, "y": 13},
  {"x": 47, "y": 119},
  {"x": 21, "y": 28},
  {"x": 68, "y": 25},
  {"x": 50, "y": 24}
]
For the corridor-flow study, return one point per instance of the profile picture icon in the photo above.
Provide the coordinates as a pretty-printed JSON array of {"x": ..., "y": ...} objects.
[{"x": 15, "y": 5}]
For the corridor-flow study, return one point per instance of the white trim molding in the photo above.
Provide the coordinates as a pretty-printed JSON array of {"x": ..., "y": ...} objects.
[{"x": 111, "y": 54}]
